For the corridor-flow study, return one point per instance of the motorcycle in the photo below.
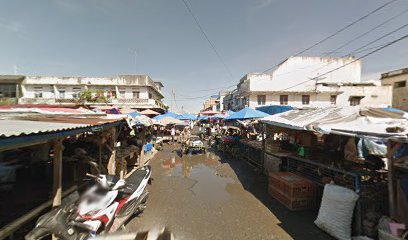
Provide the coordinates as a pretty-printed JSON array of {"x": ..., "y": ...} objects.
[{"x": 104, "y": 208}]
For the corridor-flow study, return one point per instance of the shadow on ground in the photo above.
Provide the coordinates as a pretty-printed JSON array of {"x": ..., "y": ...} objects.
[{"x": 298, "y": 224}]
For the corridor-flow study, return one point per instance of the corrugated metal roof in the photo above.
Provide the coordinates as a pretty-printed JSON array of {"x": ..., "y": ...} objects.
[
  {"x": 9, "y": 128},
  {"x": 38, "y": 124},
  {"x": 346, "y": 120}
]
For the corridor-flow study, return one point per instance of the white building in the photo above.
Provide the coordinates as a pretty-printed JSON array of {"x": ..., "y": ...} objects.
[
  {"x": 397, "y": 79},
  {"x": 132, "y": 91},
  {"x": 308, "y": 82},
  {"x": 220, "y": 100}
]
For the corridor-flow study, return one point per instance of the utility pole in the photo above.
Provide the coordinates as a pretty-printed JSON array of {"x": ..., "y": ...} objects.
[
  {"x": 133, "y": 52},
  {"x": 174, "y": 98},
  {"x": 15, "y": 69}
]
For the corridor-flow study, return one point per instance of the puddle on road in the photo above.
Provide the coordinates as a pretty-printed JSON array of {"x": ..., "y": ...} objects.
[
  {"x": 208, "y": 185},
  {"x": 202, "y": 169}
]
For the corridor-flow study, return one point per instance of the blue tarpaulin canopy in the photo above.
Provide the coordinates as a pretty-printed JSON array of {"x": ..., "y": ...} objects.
[
  {"x": 230, "y": 112},
  {"x": 247, "y": 113},
  {"x": 134, "y": 114},
  {"x": 186, "y": 117},
  {"x": 397, "y": 110},
  {"x": 202, "y": 118},
  {"x": 167, "y": 114},
  {"x": 219, "y": 115},
  {"x": 274, "y": 109}
]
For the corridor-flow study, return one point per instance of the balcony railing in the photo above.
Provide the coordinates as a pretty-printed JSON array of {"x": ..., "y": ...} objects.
[
  {"x": 6, "y": 101},
  {"x": 151, "y": 103},
  {"x": 36, "y": 100},
  {"x": 66, "y": 100},
  {"x": 132, "y": 100}
]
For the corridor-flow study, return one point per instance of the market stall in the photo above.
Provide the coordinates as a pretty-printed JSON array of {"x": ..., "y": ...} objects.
[
  {"x": 344, "y": 146},
  {"x": 249, "y": 146},
  {"x": 42, "y": 154}
]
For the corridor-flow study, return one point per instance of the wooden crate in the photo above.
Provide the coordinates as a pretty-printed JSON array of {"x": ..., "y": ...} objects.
[
  {"x": 272, "y": 147},
  {"x": 292, "y": 185},
  {"x": 294, "y": 204}
]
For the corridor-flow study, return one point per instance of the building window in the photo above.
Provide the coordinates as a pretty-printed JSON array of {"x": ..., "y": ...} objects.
[
  {"x": 261, "y": 99},
  {"x": 284, "y": 99},
  {"x": 136, "y": 94},
  {"x": 150, "y": 95},
  {"x": 354, "y": 101},
  {"x": 76, "y": 92},
  {"x": 305, "y": 99},
  {"x": 400, "y": 84},
  {"x": 333, "y": 99},
  {"x": 38, "y": 92},
  {"x": 122, "y": 93},
  {"x": 61, "y": 93},
  {"x": 7, "y": 91}
]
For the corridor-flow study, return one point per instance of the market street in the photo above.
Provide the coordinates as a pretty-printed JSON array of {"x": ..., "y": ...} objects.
[{"x": 205, "y": 196}]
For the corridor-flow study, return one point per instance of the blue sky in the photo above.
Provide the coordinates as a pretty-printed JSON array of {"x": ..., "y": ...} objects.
[{"x": 159, "y": 38}]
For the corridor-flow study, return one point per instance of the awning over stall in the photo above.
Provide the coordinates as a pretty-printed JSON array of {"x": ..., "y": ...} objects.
[
  {"x": 167, "y": 114},
  {"x": 274, "y": 109},
  {"x": 246, "y": 113},
  {"x": 374, "y": 122},
  {"x": 149, "y": 112},
  {"x": 170, "y": 120},
  {"x": 186, "y": 116}
]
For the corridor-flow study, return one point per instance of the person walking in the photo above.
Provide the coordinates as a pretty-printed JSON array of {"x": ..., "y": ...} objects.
[{"x": 173, "y": 133}]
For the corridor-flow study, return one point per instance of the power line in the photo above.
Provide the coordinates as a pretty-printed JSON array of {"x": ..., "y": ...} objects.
[
  {"x": 175, "y": 102},
  {"x": 378, "y": 39},
  {"x": 212, "y": 89},
  {"x": 367, "y": 32},
  {"x": 366, "y": 55},
  {"x": 366, "y": 49},
  {"x": 190, "y": 97},
  {"x": 344, "y": 65},
  {"x": 207, "y": 38},
  {"x": 365, "y": 45},
  {"x": 358, "y": 50},
  {"x": 338, "y": 31}
]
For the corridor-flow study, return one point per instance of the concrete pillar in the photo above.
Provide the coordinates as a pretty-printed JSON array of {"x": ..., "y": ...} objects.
[
  {"x": 112, "y": 159},
  {"x": 117, "y": 91},
  {"x": 56, "y": 91},
  {"x": 57, "y": 173},
  {"x": 23, "y": 90}
]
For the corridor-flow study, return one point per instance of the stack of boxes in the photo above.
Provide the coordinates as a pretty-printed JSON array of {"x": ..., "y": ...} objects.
[{"x": 293, "y": 191}]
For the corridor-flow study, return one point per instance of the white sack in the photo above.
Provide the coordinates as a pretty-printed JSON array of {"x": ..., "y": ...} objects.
[{"x": 336, "y": 211}]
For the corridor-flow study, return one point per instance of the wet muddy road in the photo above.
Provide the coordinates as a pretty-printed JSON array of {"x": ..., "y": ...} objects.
[{"x": 210, "y": 197}]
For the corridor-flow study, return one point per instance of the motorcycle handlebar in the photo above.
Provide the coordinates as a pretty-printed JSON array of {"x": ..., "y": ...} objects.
[{"x": 91, "y": 175}]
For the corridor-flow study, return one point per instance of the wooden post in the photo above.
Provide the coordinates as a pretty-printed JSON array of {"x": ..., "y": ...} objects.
[
  {"x": 263, "y": 146},
  {"x": 142, "y": 155},
  {"x": 100, "y": 155},
  {"x": 112, "y": 159},
  {"x": 57, "y": 173},
  {"x": 122, "y": 168},
  {"x": 391, "y": 189}
]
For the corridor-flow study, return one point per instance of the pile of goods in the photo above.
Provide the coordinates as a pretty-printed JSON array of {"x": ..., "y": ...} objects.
[{"x": 293, "y": 191}]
